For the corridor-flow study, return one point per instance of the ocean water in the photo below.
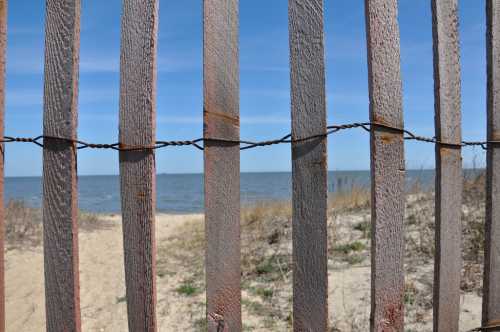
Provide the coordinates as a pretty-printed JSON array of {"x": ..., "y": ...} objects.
[{"x": 183, "y": 193}]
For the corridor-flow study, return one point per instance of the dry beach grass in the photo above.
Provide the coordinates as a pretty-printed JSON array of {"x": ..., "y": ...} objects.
[{"x": 266, "y": 266}]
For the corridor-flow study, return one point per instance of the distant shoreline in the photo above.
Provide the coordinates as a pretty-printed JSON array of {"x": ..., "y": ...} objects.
[{"x": 250, "y": 172}]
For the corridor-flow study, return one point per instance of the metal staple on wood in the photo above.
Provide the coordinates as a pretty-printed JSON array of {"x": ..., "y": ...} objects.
[{"x": 245, "y": 145}]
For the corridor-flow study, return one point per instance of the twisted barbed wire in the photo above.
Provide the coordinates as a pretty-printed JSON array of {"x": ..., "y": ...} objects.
[{"x": 199, "y": 143}]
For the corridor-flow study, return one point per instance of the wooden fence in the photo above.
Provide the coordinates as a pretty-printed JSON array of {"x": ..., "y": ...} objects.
[{"x": 222, "y": 185}]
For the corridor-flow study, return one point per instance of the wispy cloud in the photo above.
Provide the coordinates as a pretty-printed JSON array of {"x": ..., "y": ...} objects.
[
  {"x": 24, "y": 31},
  {"x": 30, "y": 63},
  {"x": 34, "y": 98},
  {"x": 278, "y": 93},
  {"x": 262, "y": 68},
  {"x": 24, "y": 98},
  {"x": 347, "y": 98},
  {"x": 250, "y": 120},
  {"x": 99, "y": 65}
]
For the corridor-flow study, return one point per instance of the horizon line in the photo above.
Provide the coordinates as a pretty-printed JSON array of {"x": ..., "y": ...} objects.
[{"x": 245, "y": 172}]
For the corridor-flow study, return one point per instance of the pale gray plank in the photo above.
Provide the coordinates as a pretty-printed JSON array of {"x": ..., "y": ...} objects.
[
  {"x": 448, "y": 165},
  {"x": 222, "y": 164},
  {"x": 387, "y": 166},
  {"x": 3, "y": 47},
  {"x": 491, "y": 293},
  {"x": 62, "y": 42},
  {"x": 309, "y": 166},
  {"x": 137, "y": 168}
]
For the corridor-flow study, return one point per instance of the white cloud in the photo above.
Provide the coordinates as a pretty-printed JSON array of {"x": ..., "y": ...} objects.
[
  {"x": 24, "y": 98},
  {"x": 250, "y": 120},
  {"x": 261, "y": 68},
  {"x": 32, "y": 97}
]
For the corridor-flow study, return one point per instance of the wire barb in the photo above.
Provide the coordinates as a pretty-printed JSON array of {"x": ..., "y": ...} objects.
[{"x": 199, "y": 143}]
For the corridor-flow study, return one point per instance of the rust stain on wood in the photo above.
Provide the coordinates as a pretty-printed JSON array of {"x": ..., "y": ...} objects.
[
  {"x": 222, "y": 164},
  {"x": 387, "y": 165},
  {"x": 389, "y": 138},
  {"x": 234, "y": 120}
]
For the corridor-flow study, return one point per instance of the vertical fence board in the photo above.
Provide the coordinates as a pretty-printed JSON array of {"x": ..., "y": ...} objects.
[
  {"x": 491, "y": 293},
  {"x": 448, "y": 165},
  {"x": 222, "y": 164},
  {"x": 3, "y": 46},
  {"x": 387, "y": 165},
  {"x": 137, "y": 168},
  {"x": 62, "y": 42},
  {"x": 309, "y": 166}
]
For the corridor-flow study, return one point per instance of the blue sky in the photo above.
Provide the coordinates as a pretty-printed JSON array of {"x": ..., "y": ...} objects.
[{"x": 265, "y": 101}]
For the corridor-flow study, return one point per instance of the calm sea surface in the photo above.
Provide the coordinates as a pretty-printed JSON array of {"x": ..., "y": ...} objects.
[{"x": 183, "y": 193}]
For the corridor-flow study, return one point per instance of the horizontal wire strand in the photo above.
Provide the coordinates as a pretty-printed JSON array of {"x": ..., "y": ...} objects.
[{"x": 244, "y": 144}]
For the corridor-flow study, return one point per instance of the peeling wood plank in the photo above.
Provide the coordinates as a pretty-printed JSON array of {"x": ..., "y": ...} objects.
[
  {"x": 62, "y": 43},
  {"x": 222, "y": 164},
  {"x": 387, "y": 166},
  {"x": 491, "y": 292},
  {"x": 309, "y": 166},
  {"x": 3, "y": 47},
  {"x": 448, "y": 165},
  {"x": 137, "y": 168}
]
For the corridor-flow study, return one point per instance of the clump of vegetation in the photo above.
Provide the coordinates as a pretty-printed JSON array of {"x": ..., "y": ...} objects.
[
  {"x": 347, "y": 248},
  {"x": 23, "y": 224},
  {"x": 121, "y": 299},
  {"x": 266, "y": 253},
  {"x": 355, "y": 199},
  {"x": 188, "y": 288}
]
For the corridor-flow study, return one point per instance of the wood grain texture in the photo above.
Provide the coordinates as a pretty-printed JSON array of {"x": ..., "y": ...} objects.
[
  {"x": 491, "y": 289},
  {"x": 3, "y": 47},
  {"x": 309, "y": 166},
  {"x": 60, "y": 230},
  {"x": 137, "y": 168},
  {"x": 387, "y": 166},
  {"x": 222, "y": 164},
  {"x": 448, "y": 165}
]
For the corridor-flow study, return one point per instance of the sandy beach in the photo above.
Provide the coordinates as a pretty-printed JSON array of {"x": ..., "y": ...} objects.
[{"x": 181, "y": 308}]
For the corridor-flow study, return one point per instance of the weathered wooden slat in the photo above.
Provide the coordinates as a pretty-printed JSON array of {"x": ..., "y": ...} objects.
[
  {"x": 491, "y": 293},
  {"x": 137, "y": 168},
  {"x": 222, "y": 164},
  {"x": 309, "y": 166},
  {"x": 387, "y": 165},
  {"x": 3, "y": 46},
  {"x": 62, "y": 43},
  {"x": 448, "y": 165}
]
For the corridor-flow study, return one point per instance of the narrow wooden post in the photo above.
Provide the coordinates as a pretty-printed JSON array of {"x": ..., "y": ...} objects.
[
  {"x": 222, "y": 164},
  {"x": 448, "y": 165},
  {"x": 3, "y": 47},
  {"x": 387, "y": 165},
  {"x": 137, "y": 168},
  {"x": 60, "y": 230},
  {"x": 491, "y": 293},
  {"x": 309, "y": 166}
]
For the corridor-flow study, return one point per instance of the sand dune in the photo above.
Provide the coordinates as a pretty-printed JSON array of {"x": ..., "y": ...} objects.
[{"x": 103, "y": 304}]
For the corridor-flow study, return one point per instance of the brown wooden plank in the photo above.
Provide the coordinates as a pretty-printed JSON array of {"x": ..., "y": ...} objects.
[
  {"x": 3, "y": 46},
  {"x": 309, "y": 166},
  {"x": 137, "y": 168},
  {"x": 387, "y": 165},
  {"x": 62, "y": 42},
  {"x": 448, "y": 165},
  {"x": 222, "y": 164},
  {"x": 491, "y": 293}
]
